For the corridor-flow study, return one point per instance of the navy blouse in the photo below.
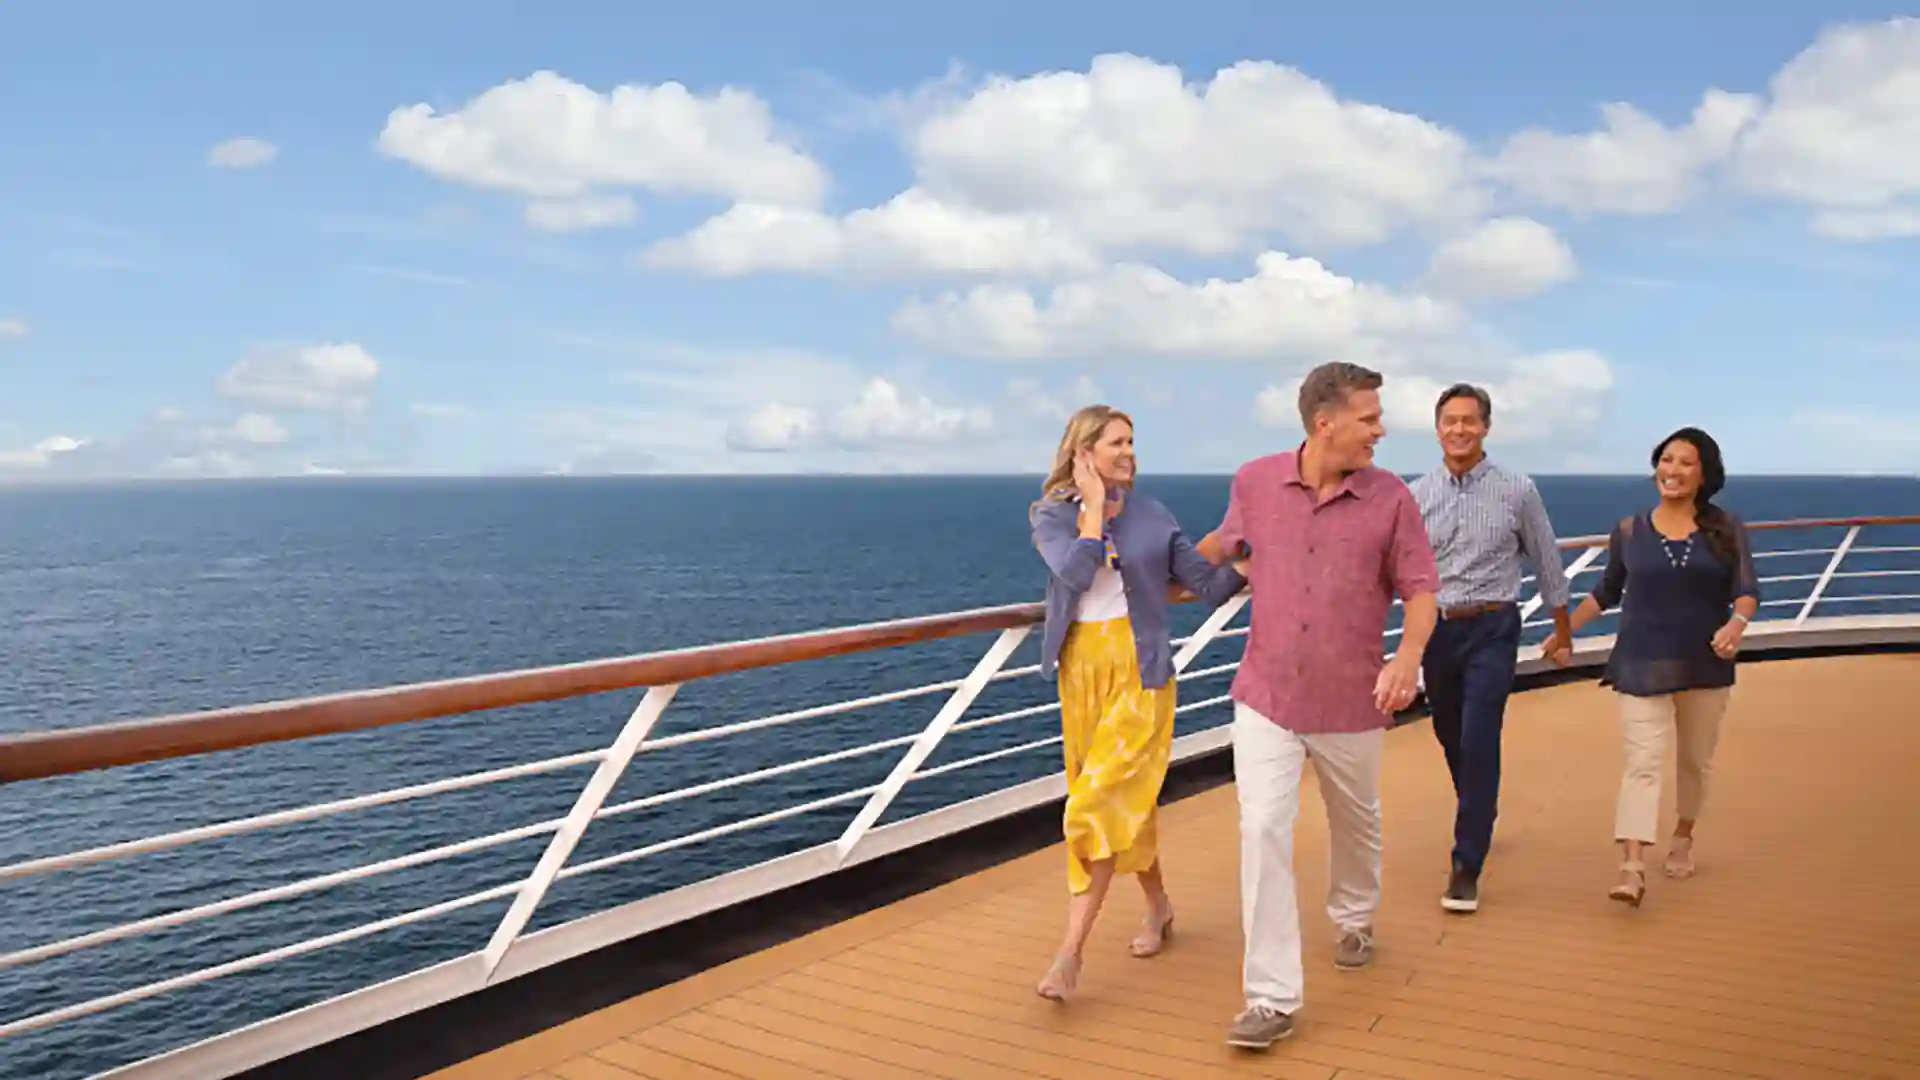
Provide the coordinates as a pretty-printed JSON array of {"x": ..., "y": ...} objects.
[{"x": 1674, "y": 595}]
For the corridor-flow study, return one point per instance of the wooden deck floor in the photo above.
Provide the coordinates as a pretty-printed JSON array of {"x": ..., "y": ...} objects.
[{"x": 1793, "y": 953}]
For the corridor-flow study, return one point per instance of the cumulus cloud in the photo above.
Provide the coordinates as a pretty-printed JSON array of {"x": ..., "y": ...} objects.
[
  {"x": 1048, "y": 173},
  {"x": 41, "y": 454},
  {"x": 556, "y": 141},
  {"x": 242, "y": 153},
  {"x": 1634, "y": 165},
  {"x": 1290, "y": 308},
  {"x": 1535, "y": 397},
  {"x": 1838, "y": 129},
  {"x": 1504, "y": 257},
  {"x": 880, "y": 417},
  {"x": 1842, "y": 131},
  {"x": 334, "y": 377},
  {"x": 167, "y": 443},
  {"x": 883, "y": 416},
  {"x": 259, "y": 429},
  {"x": 911, "y": 234},
  {"x": 773, "y": 427},
  {"x": 13, "y": 329}
]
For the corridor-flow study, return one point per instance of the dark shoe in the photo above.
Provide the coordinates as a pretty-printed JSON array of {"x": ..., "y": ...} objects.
[
  {"x": 1355, "y": 951},
  {"x": 1259, "y": 1027},
  {"x": 1463, "y": 892}
]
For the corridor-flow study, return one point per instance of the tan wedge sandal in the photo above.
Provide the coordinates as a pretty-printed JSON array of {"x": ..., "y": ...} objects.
[{"x": 1631, "y": 889}]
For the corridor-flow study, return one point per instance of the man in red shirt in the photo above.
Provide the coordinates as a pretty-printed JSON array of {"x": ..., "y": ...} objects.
[{"x": 1332, "y": 538}]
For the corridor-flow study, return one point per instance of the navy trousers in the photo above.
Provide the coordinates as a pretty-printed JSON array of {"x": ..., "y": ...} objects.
[{"x": 1468, "y": 667}]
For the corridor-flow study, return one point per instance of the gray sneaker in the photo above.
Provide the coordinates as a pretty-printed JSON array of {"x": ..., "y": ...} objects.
[
  {"x": 1259, "y": 1027},
  {"x": 1356, "y": 949}
]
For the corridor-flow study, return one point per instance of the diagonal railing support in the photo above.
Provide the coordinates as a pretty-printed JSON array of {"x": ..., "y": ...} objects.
[
  {"x": 1209, "y": 629},
  {"x": 1539, "y": 599},
  {"x": 560, "y": 848},
  {"x": 1826, "y": 575},
  {"x": 936, "y": 729}
]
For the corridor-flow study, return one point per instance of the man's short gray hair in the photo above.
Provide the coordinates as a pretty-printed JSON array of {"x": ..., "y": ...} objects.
[
  {"x": 1460, "y": 390},
  {"x": 1330, "y": 385}
]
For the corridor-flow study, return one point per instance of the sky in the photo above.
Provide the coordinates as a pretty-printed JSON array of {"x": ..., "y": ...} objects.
[{"x": 240, "y": 239}]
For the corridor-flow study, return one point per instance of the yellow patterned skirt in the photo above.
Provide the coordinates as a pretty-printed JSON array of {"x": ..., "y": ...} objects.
[{"x": 1118, "y": 737}]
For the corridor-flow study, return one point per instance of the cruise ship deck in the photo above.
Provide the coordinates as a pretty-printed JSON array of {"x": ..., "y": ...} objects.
[
  {"x": 1793, "y": 952},
  {"x": 898, "y": 925}
]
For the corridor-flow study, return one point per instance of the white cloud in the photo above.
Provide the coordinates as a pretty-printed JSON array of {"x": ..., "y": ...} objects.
[
  {"x": 314, "y": 377},
  {"x": 880, "y": 417},
  {"x": 1636, "y": 165},
  {"x": 1843, "y": 130},
  {"x": 1535, "y": 397},
  {"x": 259, "y": 429},
  {"x": 883, "y": 416},
  {"x": 1504, "y": 257},
  {"x": 242, "y": 153},
  {"x": 168, "y": 443},
  {"x": 912, "y": 233},
  {"x": 550, "y": 138},
  {"x": 1290, "y": 308},
  {"x": 1044, "y": 174},
  {"x": 773, "y": 427},
  {"x": 41, "y": 454},
  {"x": 13, "y": 329},
  {"x": 584, "y": 212}
]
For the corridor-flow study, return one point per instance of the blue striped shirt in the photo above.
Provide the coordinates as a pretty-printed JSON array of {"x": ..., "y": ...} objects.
[{"x": 1480, "y": 525}]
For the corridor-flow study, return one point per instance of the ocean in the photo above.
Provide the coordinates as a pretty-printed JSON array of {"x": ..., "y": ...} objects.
[{"x": 120, "y": 602}]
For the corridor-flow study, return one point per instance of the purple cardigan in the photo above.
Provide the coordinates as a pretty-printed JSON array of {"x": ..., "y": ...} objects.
[{"x": 1153, "y": 552}]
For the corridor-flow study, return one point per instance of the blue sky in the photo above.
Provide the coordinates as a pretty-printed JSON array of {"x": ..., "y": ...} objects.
[{"x": 907, "y": 239}]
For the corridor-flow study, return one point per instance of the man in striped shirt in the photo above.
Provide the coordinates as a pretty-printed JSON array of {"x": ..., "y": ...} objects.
[{"x": 1480, "y": 519}]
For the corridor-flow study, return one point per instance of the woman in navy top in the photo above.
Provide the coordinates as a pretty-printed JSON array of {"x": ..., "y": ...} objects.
[
  {"x": 1113, "y": 556},
  {"x": 1683, "y": 576}
]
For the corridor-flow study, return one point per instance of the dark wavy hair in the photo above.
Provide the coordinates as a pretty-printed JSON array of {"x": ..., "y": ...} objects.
[{"x": 1714, "y": 522}]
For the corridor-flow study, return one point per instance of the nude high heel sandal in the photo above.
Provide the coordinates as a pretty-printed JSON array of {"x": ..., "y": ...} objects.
[{"x": 1631, "y": 892}]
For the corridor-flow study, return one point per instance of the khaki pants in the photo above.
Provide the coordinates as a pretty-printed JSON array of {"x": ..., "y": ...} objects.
[
  {"x": 1645, "y": 721},
  {"x": 1268, "y": 761}
]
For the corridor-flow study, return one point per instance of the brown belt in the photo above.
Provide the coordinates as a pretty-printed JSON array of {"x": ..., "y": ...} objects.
[{"x": 1468, "y": 611}]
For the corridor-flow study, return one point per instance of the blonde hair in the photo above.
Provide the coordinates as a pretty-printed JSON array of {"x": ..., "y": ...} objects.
[{"x": 1084, "y": 429}]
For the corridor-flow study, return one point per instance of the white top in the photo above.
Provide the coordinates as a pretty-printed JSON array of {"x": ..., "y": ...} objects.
[{"x": 1105, "y": 599}]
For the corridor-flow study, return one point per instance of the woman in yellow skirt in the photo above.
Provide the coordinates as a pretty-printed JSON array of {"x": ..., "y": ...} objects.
[{"x": 1115, "y": 558}]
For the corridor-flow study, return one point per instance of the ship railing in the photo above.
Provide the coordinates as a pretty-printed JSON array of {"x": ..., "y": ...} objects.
[{"x": 511, "y": 950}]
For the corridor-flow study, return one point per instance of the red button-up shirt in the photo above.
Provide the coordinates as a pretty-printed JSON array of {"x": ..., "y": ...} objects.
[{"x": 1324, "y": 576}]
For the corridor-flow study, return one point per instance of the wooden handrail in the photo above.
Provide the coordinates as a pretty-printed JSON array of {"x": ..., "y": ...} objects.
[
  {"x": 55, "y": 753},
  {"x": 101, "y": 746}
]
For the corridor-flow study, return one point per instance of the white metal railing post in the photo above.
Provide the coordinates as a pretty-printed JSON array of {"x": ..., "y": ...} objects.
[
  {"x": 1826, "y": 575},
  {"x": 1580, "y": 564},
  {"x": 599, "y": 786},
  {"x": 1215, "y": 622},
  {"x": 936, "y": 729}
]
